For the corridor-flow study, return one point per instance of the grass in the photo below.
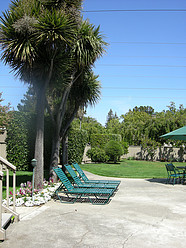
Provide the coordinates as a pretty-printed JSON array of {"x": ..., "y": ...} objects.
[
  {"x": 130, "y": 169},
  {"x": 125, "y": 169}
]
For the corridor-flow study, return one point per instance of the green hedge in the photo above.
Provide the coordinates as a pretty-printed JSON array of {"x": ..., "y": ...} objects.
[
  {"x": 77, "y": 140},
  {"x": 20, "y": 140},
  {"x": 100, "y": 140}
]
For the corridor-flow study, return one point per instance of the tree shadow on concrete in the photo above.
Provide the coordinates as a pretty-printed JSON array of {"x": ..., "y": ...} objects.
[{"x": 157, "y": 180}]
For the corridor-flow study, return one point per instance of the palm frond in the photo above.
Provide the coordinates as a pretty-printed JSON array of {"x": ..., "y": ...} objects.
[{"x": 89, "y": 44}]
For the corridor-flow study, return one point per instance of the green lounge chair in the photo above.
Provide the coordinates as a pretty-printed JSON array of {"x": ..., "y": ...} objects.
[
  {"x": 86, "y": 180},
  {"x": 95, "y": 196},
  {"x": 81, "y": 184},
  {"x": 173, "y": 173}
]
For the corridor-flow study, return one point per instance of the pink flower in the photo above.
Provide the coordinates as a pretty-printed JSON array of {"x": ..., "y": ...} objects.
[{"x": 11, "y": 193}]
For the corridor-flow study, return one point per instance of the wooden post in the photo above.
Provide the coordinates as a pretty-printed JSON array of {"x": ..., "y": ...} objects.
[
  {"x": 14, "y": 190},
  {"x": 7, "y": 186},
  {"x": 1, "y": 193}
]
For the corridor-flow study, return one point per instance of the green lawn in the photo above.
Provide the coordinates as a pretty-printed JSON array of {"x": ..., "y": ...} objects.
[
  {"x": 126, "y": 168},
  {"x": 130, "y": 169}
]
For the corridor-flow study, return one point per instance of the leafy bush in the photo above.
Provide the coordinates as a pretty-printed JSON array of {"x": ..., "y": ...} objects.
[
  {"x": 113, "y": 150},
  {"x": 100, "y": 140},
  {"x": 125, "y": 146},
  {"x": 131, "y": 158},
  {"x": 149, "y": 148},
  {"x": 97, "y": 155}
]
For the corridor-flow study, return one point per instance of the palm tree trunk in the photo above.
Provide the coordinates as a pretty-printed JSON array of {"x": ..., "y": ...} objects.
[{"x": 39, "y": 143}]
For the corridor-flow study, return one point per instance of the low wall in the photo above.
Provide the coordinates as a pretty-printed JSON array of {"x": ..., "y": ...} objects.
[{"x": 166, "y": 153}]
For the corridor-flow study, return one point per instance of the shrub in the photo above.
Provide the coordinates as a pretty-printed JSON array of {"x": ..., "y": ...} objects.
[
  {"x": 113, "y": 150},
  {"x": 149, "y": 148},
  {"x": 125, "y": 146},
  {"x": 131, "y": 158},
  {"x": 97, "y": 155},
  {"x": 100, "y": 140}
]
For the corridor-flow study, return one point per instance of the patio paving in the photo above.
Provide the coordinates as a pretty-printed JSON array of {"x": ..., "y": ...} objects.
[{"x": 143, "y": 213}]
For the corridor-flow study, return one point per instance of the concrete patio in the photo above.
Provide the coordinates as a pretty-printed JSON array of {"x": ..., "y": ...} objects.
[{"x": 143, "y": 213}]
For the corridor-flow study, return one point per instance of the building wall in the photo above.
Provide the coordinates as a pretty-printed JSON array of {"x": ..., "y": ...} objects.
[
  {"x": 164, "y": 152},
  {"x": 3, "y": 144}
]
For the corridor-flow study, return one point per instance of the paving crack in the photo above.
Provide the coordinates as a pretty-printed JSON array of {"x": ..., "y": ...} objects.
[
  {"x": 78, "y": 243},
  {"x": 126, "y": 240}
]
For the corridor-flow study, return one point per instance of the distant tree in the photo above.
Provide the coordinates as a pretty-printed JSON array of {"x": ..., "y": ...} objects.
[
  {"x": 5, "y": 114},
  {"x": 172, "y": 108},
  {"x": 147, "y": 109},
  {"x": 28, "y": 103},
  {"x": 110, "y": 116},
  {"x": 114, "y": 126},
  {"x": 91, "y": 125},
  {"x": 142, "y": 124},
  {"x": 134, "y": 124}
]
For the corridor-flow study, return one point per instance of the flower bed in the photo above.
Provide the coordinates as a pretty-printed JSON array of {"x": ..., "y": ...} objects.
[{"x": 40, "y": 196}]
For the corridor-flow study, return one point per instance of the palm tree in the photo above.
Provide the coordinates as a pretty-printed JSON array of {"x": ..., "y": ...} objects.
[
  {"x": 34, "y": 39},
  {"x": 87, "y": 47},
  {"x": 85, "y": 91}
]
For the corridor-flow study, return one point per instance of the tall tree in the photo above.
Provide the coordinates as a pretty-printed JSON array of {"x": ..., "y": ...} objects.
[
  {"x": 47, "y": 44},
  {"x": 110, "y": 116},
  {"x": 34, "y": 37},
  {"x": 84, "y": 91},
  {"x": 79, "y": 82}
]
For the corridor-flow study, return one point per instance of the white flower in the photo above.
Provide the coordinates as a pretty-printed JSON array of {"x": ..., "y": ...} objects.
[
  {"x": 19, "y": 202},
  {"x": 38, "y": 199},
  {"x": 29, "y": 203}
]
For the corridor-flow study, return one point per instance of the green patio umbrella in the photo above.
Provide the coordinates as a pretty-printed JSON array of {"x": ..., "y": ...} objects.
[{"x": 178, "y": 134}]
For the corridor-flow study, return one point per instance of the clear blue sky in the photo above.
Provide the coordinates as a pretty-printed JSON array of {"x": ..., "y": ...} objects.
[{"x": 145, "y": 63}]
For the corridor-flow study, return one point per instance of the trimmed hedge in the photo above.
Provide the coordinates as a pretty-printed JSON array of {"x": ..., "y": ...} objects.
[
  {"x": 100, "y": 140},
  {"x": 20, "y": 140},
  {"x": 77, "y": 140}
]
